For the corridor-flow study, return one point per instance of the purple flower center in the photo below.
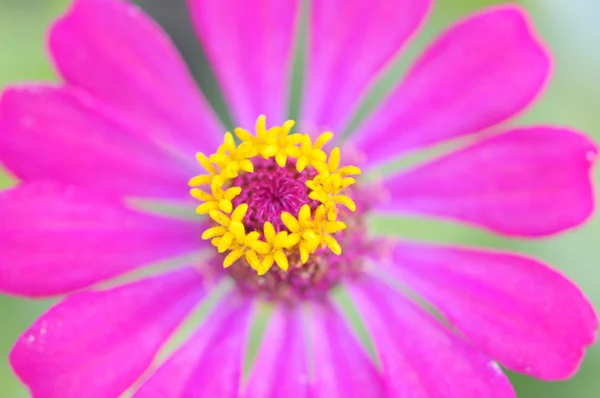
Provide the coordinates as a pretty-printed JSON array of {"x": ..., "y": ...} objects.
[
  {"x": 286, "y": 216},
  {"x": 271, "y": 190}
]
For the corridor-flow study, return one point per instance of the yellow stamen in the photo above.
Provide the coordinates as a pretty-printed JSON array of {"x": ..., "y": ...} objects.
[
  {"x": 231, "y": 228},
  {"x": 307, "y": 232},
  {"x": 204, "y": 179},
  {"x": 231, "y": 159},
  {"x": 218, "y": 199},
  {"x": 312, "y": 233},
  {"x": 278, "y": 243},
  {"x": 313, "y": 154}
]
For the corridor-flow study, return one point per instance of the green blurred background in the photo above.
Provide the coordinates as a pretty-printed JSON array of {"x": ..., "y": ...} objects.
[{"x": 572, "y": 31}]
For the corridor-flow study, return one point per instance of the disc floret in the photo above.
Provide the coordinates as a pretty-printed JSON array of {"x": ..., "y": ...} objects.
[{"x": 316, "y": 223}]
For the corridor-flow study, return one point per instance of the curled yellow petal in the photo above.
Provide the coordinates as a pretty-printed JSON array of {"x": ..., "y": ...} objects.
[
  {"x": 200, "y": 194},
  {"x": 232, "y": 257},
  {"x": 334, "y": 159},
  {"x": 281, "y": 260},
  {"x": 290, "y": 222},
  {"x": 219, "y": 218},
  {"x": 252, "y": 259},
  {"x": 225, "y": 242},
  {"x": 207, "y": 207},
  {"x": 269, "y": 231},
  {"x": 346, "y": 201},
  {"x": 323, "y": 139},
  {"x": 333, "y": 244},
  {"x": 213, "y": 232},
  {"x": 200, "y": 180},
  {"x": 239, "y": 212},
  {"x": 238, "y": 230},
  {"x": 225, "y": 205}
]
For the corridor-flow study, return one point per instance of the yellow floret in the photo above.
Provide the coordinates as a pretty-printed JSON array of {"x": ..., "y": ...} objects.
[
  {"x": 312, "y": 154},
  {"x": 232, "y": 159},
  {"x": 312, "y": 233},
  {"x": 203, "y": 179},
  {"x": 218, "y": 199},
  {"x": 230, "y": 234},
  {"x": 278, "y": 243},
  {"x": 327, "y": 185},
  {"x": 274, "y": 142}
]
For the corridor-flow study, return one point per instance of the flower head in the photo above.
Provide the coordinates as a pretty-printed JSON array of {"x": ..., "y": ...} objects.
[
  {"x": 308, "y": 211},
  {"x": 280, "y": 230}
]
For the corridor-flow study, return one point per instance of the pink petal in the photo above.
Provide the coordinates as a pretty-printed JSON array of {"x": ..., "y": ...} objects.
[
  {"x": 419, "y": 357},
  {"x": 319, "y": 343},
  {"x": 69, "y": 137},
  {"x": 96, "y": 344},
  {"x": 349, "y": 43},
  {"x": 280, "y": 368},
  {"x": 210, "y": 363},
  {"x": 249, "y": 45},
  {"x": 112, "y": 50},
  {"x": 56, "y": 239},
  {"x": 515, "y": 309},
  {"x": 527, "y": 182},
  {"x": 480, "y": 72},
  {"x": 340, "y": 367}
]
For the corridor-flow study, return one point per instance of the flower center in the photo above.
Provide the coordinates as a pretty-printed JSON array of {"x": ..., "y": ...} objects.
[
  {"x": 275, "y": 198},
  {"x": 272, "y": 190}
]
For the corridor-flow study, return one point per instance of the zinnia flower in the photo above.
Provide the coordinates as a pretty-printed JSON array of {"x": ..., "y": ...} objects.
[{"x": 298, "y": 298}]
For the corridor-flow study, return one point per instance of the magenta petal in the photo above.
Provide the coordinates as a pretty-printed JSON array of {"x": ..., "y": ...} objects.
[
  {"x": 319, "y": 343},
  {"x": 112, "y": 50},
  {"x": 516, "y": 310},
  {"x": 57, "y": 239},
  {"x": 67, "y": 136},
  {"x": 349, "y": 43},
  {"x": 419, "y": 357},
  {"x": 249, "y": 45},
  {"x": 527, "y": 182},
  {"x": 210, "y": 363},
  {"x": 480, "y": 72},
  {"x": 283, "y": 346},
  {"x": 96, "y": 344},
  {"x": 340, "y": 367}
]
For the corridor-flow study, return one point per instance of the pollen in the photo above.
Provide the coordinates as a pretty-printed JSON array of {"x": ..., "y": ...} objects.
[{"x": 284, "y": 220}]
